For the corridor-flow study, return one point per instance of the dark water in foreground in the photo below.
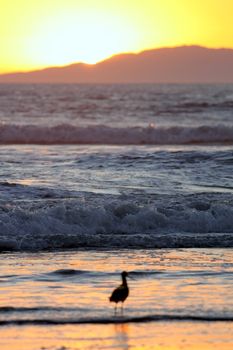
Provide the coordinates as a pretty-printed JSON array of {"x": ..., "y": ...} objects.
[{"x": 141, "y": 166}]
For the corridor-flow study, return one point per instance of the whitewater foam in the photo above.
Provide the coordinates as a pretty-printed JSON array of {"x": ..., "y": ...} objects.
[{"x": 106, "y": 223}]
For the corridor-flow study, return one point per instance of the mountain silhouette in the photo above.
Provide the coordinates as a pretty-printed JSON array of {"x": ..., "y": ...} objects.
[{"x": 184, "y": 64}]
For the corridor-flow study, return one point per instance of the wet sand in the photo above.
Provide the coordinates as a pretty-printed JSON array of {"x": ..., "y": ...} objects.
[
  {"x": 161, "y": 335},
  {"x": 59, "y": 301}
]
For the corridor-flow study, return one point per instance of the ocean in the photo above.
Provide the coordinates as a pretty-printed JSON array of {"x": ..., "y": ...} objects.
[{"x": 97, "y": 179}]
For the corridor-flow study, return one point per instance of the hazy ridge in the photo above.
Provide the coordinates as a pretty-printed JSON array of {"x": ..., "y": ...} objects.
[{"x": 184, "y": 64}]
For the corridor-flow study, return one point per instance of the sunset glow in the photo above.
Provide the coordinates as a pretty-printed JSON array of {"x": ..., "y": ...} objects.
[
  {"x": 89, "y": 36},
  {"x": 40, "y": 34}
]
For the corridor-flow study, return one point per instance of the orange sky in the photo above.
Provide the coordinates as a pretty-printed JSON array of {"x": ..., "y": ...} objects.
[{"x": 36, "y": 34}]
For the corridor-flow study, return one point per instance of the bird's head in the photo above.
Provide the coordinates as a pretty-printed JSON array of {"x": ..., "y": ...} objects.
[{"x": 124, "y": 274}]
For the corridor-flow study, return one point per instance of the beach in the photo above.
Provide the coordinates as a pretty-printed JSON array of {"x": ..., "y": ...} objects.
[
  {"x": 98, "y": 179},
  {"x": 179, "y": 299}
]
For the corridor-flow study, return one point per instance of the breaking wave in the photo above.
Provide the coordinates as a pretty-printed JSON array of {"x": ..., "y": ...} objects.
[
  {"x": 102, "y": 134},
  {"x": 74, "y": 224}
]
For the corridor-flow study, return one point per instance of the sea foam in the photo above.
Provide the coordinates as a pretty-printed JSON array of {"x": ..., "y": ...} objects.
[{"x": 110, "y": 224}]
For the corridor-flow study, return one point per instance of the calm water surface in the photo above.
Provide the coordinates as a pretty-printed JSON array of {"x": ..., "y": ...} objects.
[{"x": 178, "y": 298}]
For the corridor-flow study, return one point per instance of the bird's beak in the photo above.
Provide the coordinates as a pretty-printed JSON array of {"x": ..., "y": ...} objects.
[{"x": 131, "y": 277}]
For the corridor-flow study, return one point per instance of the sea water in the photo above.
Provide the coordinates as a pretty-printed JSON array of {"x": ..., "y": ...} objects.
[
  {"x": 91, "y": 175},
  {"x": 178, "y": 299}
]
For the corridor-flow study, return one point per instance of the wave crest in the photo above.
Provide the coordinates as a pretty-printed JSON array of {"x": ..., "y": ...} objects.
[
  {"x": 103, "y": 134},
  {"x": 73, "y": 224}
]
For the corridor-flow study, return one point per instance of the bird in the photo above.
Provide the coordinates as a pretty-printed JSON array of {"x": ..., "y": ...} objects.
[{"x": 120, "y": 293}]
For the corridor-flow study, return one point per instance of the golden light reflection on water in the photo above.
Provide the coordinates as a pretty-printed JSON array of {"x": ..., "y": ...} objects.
[
  {"x": 27, "y": 182},
  {"x": 161, "y": 335},
  {"x": 183, "y": 281},
  {"x": 158, "y": 289}
]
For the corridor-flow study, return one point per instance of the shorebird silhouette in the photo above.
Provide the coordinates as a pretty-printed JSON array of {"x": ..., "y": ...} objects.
[{"x": 121, "y": 292}]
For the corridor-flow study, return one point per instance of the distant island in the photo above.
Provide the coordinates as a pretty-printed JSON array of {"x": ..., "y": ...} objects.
[{"x": 184, "y": 64}]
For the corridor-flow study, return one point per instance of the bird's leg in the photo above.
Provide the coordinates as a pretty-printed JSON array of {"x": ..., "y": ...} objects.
[
  {"x": 122, "y": 310},
  {"x": 115, "y": 310}
]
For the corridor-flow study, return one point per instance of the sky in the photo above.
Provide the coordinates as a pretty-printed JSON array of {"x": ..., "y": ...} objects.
[{"x": 40, "y": 33}]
